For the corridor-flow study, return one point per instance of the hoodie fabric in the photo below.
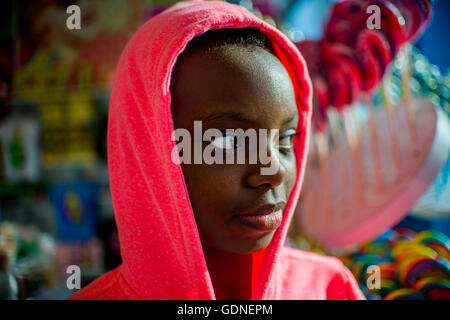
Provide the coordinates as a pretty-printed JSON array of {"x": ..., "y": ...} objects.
[{"x": 160, "y": 245}]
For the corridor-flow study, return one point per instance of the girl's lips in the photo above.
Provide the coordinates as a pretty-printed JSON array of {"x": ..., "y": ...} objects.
[{"x": 263, "y": 222}]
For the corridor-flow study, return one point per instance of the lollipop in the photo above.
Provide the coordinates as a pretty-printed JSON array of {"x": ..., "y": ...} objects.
[
  {"x": 404, "y": 294},
  {"x": 373, "y": 55},
  {"x": 362, "y": 263},
  {"x": 332, "y": 63},
  {"x": 401, "y": 20},
  {"x": 409, "y": 249},
  {"x": 404, "y": 234},
  {"x": 371, "y": 51},
  {"x": 347, "y": 18},
  {"x": 372, "y": 296},
  {"x": 386, "y": 287},
  {"x": 410, "y": 265},
  {"x": 435, "y": 240},
  {"x": 392, "y": 24},
  {"x": 417, "y": 16},
  {"x": 379, "y": 248},
  {"x": 311, "y": 52},
  {"x": 434, "y": 288},
  {"x": 412, "y": 269},
  {"x": 387, "y": 270},
  {"x": 339, "y": 59},
  {"x": 389, "y": 236},
  {"x": 342, "y": 92}
]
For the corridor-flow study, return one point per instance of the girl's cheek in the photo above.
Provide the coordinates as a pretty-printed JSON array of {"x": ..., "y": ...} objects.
[
  {"x": 291, "y": 172},
  {"x": 218, "y": 181}
]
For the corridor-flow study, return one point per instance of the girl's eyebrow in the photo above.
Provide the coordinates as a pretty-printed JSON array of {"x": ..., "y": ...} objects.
[
  {"x": 242, "y": 117},
  {"x": 290, "y": 119},
  {"x": 230, "y": 115}
]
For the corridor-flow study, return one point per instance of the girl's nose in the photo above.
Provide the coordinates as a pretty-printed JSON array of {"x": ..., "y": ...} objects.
[{"x": 270, "y": 175}]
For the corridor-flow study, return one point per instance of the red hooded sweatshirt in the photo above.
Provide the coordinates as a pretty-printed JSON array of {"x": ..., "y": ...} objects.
[{"x": 160, "y": 245}]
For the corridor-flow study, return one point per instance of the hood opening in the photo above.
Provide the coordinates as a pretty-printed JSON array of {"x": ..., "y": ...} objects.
[{"x": 160, "y": 245}]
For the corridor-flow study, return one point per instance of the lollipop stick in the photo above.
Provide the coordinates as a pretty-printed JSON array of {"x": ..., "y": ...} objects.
[
  {"x": 336, "y": 134},
  {"x": 375, "y": 148},
  {"x": 359, "y": 154},
  {"x": 321, "y": 142},
  {"x": 353, "y": 141},
  {"x": 391, "y": 123},
  {"x": 405, "y": 73}
]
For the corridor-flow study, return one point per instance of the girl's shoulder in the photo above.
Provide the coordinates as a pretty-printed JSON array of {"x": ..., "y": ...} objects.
[
  {"x": 295, "y": 256},
  {"x": 309, "y": 275},
  {"x": 110, "y": 286}
]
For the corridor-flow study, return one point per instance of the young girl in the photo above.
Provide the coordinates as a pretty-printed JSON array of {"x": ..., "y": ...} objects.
[{"x": 210, "y": 231}]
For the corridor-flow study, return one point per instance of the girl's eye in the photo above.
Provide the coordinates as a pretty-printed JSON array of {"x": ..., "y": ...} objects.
[
  {"x": 226, "y": 142},
  {"x": 287, "y": 139}
]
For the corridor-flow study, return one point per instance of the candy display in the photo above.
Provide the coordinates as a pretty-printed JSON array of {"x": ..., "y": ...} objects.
[
  {"x": 378, "y": 181},
  {"x": 413, "y": 266},
  {"x": 370, "y": 132},
  {"x": 433, "y": 288},
  {"x": 351, "y": 59}
]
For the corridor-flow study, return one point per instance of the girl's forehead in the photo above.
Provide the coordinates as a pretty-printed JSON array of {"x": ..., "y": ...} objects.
[{"x": 240, "y": 78}]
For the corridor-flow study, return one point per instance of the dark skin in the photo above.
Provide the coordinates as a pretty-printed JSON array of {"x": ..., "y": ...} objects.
[{"x": 235, "y": 86}]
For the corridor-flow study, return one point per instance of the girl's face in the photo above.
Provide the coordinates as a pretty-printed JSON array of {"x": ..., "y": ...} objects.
[{"x": 232, "y": 87}]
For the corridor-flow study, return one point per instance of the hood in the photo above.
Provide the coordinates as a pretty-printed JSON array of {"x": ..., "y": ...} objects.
[{"x": 160, "y": 245}]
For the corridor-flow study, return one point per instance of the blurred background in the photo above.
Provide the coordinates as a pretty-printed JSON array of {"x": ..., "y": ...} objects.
[{"x": 55, "y": 203}]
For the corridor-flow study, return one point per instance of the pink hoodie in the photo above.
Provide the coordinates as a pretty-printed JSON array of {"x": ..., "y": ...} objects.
[{"x": 160, "y": 245}]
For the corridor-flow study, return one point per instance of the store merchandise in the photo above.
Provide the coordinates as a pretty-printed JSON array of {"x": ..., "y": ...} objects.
[{"x": 412, "y": 265}]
